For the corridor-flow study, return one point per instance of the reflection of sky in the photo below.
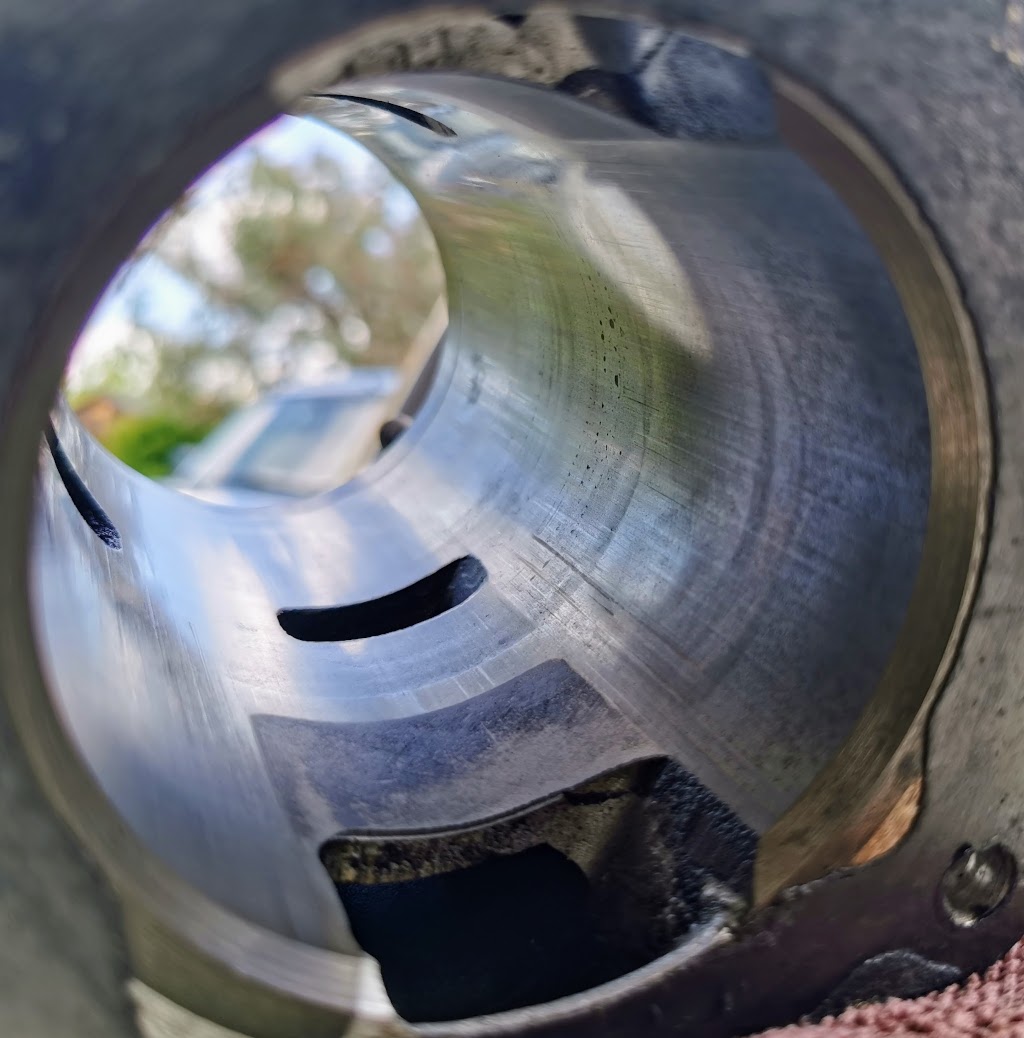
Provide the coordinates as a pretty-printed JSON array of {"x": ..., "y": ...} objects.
[{"x": 150, "y": 292}]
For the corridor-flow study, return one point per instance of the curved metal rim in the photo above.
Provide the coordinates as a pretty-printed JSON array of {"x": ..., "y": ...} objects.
[{"x": 882, "y": 760}]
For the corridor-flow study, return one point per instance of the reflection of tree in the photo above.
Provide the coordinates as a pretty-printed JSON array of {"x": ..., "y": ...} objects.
[{"x": 290, "y": 268}]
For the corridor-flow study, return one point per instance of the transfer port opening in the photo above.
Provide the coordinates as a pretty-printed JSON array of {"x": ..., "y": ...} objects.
[{"x": 590, "y": 885}]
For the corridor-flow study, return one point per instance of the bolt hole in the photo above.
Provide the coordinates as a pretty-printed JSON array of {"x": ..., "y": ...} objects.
[{"x": 977, "y": 882}]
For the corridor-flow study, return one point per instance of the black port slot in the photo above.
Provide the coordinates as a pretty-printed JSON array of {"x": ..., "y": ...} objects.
[
  {"x": 81, "y": 497},
  {"x": 426, "y": 599},
  {"x": 409, "y": 114}
]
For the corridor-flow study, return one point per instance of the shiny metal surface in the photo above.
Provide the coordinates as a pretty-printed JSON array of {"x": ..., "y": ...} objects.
[
  {"x": 722, "y": 579},
  {"x": 683, "y": 429}
]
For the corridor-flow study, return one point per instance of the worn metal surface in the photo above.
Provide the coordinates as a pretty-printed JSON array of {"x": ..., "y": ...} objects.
[
  {"x": 683, "y": 433},
  {"x": 898, "y": 77}
]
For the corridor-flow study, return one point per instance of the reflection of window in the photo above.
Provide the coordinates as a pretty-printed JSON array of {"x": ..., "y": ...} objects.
[
  {"x": 302, "y": 447},
  {"x": 205, "y": 464}
]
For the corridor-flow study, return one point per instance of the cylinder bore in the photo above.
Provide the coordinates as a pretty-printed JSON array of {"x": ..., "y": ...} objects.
[{"x": 667, "y": 498}]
